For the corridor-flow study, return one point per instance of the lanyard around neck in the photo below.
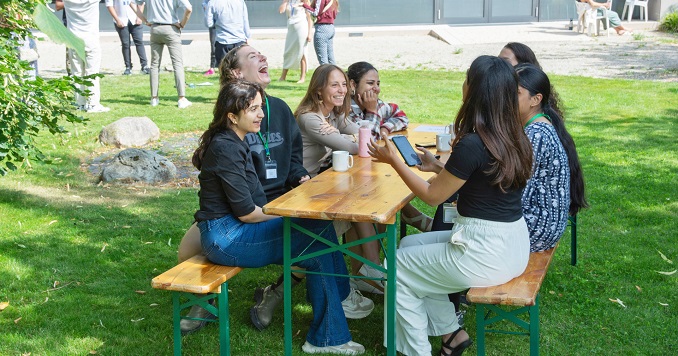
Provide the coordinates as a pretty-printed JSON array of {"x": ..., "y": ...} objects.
[
  {"x": 535, "y": 117},
  {"x": 268, "y": 128}
]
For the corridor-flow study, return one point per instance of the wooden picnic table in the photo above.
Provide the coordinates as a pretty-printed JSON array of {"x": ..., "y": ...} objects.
[{"x": 368, "y": 192}]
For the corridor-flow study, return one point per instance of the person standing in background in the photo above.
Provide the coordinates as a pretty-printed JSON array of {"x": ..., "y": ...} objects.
[
  {"x": 83, "y": 21},
  {"x": 213, "y": 34},
  {"x": 127, "y": 23},
  {"x": 325, "y": 12},
  {"x": 298, "y": 36},
  {"x": 230, "y": 19},
  {"x": 166, "y": 30}
]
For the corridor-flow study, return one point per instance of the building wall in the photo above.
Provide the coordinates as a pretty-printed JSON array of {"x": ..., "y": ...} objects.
[{"x": 264, "y": 13}]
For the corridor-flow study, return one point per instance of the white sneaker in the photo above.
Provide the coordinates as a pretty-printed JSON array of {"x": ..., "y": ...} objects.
[
  {"x": 154, "y": 101},
  {"x": 97, "y": 108},
  {"x": 369, "y": 285},
  {"x": 356, "y": 306},
  {"x": 183, "y": 103},
  {"x": 349, "y": 348}
]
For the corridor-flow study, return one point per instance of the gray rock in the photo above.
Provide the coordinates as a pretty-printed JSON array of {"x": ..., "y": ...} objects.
[
  {"x": 137, "y": 165},
  {"x": 130, "y": 132}
]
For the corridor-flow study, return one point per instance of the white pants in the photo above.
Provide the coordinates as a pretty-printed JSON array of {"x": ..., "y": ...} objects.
[
  {"x": 90, "y": 65},
  {"x": 476, "y": 253}
]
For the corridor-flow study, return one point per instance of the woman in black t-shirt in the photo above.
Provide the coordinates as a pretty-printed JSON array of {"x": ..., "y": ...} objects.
[
  {"x": 489, "y": 166},
  {"x": 234, "y": 231}
]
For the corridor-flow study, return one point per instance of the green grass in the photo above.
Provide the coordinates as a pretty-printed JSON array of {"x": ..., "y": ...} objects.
[{"x": 76, "y": 258}]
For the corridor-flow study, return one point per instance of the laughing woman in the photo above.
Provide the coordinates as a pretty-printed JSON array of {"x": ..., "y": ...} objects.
[{"x": 234, "y": 231}]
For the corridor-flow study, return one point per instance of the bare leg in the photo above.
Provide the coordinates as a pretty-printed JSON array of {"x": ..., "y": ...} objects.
[
  {"x": 416, "y": 218},
  {"x": 303, "y": 66},
  {"x": 283, "y": 76},
  {"x": 190, "y": 244}
]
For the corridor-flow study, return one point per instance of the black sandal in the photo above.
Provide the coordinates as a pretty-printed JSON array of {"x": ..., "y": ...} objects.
[{"x": 454, "y": 351}]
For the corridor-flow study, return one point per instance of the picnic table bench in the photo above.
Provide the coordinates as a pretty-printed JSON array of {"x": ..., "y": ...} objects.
[
  {"x": 522, "y": 291},
  {"x": 199, "y": 276}
]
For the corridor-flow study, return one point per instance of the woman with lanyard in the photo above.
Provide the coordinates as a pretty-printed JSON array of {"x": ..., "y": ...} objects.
[
  {"x": 556, "y": 187},
  {"x": 235, "y": 232}
]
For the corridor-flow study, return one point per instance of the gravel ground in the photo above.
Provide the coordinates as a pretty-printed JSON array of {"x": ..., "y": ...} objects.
[{"x": 646, "y": 55}]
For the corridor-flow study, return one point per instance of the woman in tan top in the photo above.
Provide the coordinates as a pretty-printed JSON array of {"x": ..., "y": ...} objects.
[{"x": 323, "y": 120}]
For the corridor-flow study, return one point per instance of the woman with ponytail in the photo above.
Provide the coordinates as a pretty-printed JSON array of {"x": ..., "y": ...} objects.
[{"x": 556, "y": 187}]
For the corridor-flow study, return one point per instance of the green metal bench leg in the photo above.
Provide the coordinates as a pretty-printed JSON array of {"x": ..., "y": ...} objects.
[
  {"x": 221, "y": 311},
  {"x": 224, "y": 324},
  {"x": 573, "y": 239},
  {"x": 176, "y": 319},
  {"x": 480, "y": 329},
  {"x": 534, "y": 328}
]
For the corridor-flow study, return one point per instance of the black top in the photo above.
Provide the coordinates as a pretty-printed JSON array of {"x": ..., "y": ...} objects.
[
  {"x": 285, "y": 145},
  {"x": 478, "y": 197},
  {"x": 228, "y": 180}
]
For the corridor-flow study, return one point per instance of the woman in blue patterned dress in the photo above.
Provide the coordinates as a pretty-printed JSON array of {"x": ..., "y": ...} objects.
[{"x": 556, "y": 187}]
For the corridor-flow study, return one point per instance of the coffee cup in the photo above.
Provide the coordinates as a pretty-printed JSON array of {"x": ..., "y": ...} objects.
[
  {"x": 443, "y": 142},
  {"x": 341, "y": 161}
]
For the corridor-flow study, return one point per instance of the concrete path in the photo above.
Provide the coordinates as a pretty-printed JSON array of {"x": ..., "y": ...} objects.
[{"x": 645, "y": 55}]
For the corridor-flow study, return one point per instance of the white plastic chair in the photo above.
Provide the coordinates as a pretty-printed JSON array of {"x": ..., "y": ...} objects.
[
  {"x": 631, "y": 5},
  {"x": 589, "y": 18}
]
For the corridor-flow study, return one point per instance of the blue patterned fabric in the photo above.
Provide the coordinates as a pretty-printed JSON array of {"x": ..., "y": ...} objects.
[{"x": 546, "y": 198}]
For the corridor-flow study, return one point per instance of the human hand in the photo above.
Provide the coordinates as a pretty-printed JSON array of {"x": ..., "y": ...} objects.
[
  {"x": 429, "y": 163},
  {"x": 383, "y": 133},
  {"x": 327, "y": 129},
  {"x": 385, "y": 153},
  {"x": 138, "y": 21},
  {"x": 368, "y": 100},
  {"x": 119, "y": 23},
  {"x": 304, "y": 179},
  {"x": 308, "y": 38}
]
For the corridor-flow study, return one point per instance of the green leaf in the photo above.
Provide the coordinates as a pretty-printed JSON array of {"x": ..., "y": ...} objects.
[{"x": 55, "y": 30}]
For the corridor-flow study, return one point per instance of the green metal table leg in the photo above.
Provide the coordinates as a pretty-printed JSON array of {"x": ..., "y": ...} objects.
[
  {"x": 176, "y": 320},
  {"x": 534, "y": 328},
  {"x": 224, "y": 323},
  {"x": 391, "y": 289},
  {"x": 573, "y": 240},
  {"x": 287, "y": 284},
  {"x": 480, "y": 329}
]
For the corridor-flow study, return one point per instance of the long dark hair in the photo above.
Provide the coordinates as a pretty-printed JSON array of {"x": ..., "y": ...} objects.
[
  {"x": 490, "y": 109},
  {"x": 536, "y": 82},
  {"x": 357, "y": 70},
  {"x": 234, "y": 97},
  {"x": 311, "y": 102},
  {"x": 523, "y": 53}
]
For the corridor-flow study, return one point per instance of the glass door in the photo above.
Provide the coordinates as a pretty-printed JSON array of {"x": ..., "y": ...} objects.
[
  {"x": 461, "y": 11},
  {"x": 485, "y": 11},
  {"x": 514, "y": 10}
]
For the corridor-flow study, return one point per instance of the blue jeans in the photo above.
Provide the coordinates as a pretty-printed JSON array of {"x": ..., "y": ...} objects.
[{"x": 228, "y": 241}]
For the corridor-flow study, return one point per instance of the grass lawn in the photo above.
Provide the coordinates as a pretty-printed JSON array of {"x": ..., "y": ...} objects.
[{"x": 76, "y": 258}]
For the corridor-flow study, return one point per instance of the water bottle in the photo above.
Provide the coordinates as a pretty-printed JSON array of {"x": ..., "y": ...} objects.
[{"x": 364, "y": 136}]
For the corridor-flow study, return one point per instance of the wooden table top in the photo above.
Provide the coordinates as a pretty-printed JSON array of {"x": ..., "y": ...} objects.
[{"x": 367, "y": 192}]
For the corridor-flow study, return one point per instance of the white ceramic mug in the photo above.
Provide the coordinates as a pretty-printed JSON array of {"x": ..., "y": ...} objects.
[
  {"x": 341, "y": 161},
  {"x": 443, "y": 142}
]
